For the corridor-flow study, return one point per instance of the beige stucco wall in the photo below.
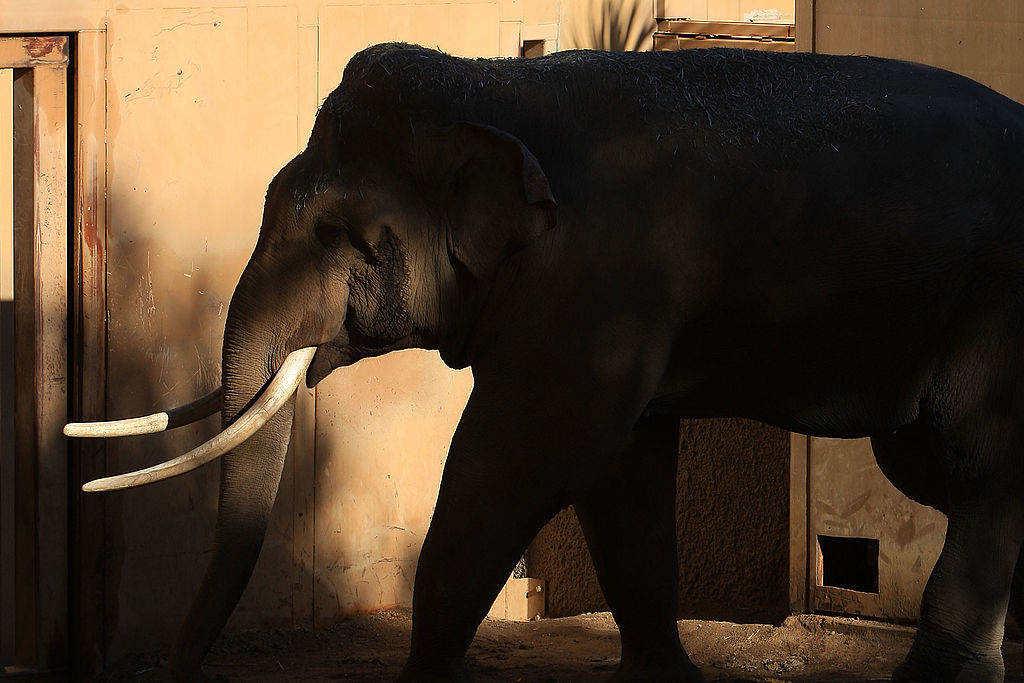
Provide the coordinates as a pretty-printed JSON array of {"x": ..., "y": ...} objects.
[
  {"x": 202, "y": 106},
  {"x": 979, "y": 39}
]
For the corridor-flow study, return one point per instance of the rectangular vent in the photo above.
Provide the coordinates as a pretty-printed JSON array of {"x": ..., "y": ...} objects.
[{"x": 850, "y": 563}]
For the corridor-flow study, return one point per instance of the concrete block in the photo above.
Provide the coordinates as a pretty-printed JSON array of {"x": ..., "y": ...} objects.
[
  {"x": 509, "y": 38},
  {"x": 520, "y": 600},
  {"x": 543, "y": 32},
  {"x": 540, "y": 12}
]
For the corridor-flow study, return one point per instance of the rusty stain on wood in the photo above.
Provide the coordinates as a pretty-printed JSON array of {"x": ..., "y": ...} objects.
[
  {"x": 30, "y": 52},
  {"x": 41, "y": 46}
]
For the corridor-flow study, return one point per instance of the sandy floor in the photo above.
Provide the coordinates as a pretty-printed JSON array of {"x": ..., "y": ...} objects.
[{"x": 584, "y": 648}]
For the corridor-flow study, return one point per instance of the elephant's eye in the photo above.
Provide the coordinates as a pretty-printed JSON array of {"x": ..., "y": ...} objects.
[{"x": 329, "y": 233}]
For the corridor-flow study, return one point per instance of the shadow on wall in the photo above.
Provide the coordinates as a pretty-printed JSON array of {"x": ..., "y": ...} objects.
[
  {"x": 615, "y": 25},
  {"x": 165, "y": 323},
  {"x": 168, "y": 299},
  {"x": 363, "y": 500}
]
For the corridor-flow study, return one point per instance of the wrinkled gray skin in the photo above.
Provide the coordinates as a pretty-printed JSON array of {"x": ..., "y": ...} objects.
[{"x": 832, "y": 245}]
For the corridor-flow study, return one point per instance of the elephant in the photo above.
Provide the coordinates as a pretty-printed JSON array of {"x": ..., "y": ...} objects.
[{"x": 833, "y": 245}]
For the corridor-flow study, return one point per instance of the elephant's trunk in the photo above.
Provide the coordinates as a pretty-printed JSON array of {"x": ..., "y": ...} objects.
[{"x": 250, "y": 475}]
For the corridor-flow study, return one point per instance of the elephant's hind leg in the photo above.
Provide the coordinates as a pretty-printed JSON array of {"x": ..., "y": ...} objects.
[
  {"x": 1017, "y": 600},
  {"x": 965, "y": 600},
  {"x": 628, "y": 518}
]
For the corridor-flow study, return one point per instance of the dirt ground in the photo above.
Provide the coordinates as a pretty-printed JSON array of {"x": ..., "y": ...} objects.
[{"x": 804, "y": 649}]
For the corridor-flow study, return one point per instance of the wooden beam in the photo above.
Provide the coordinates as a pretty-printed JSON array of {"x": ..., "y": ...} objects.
[
  {"x": 88, "y": 564},
  {"x": 799, "y": 446},
  {"x": 725, "y": 29}
]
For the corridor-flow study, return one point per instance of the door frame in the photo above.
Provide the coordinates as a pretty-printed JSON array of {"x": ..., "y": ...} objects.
[
  {"x": 60, "y": 347},
  {"x": 40, "y": 477}
]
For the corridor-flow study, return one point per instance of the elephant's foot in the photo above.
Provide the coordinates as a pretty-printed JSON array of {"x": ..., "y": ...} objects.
[
  {"x": 416, "y": 672},
  {"x": 672, "y": 666},
  {"x": 960, "y": 671},
  {"x": 948, "y": 663},
  {"x": 194, "y": 675}
]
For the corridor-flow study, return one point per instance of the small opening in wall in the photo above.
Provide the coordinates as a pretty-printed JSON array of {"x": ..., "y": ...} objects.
[
  {"x": 850, "y": 563},
  {"x": 533, "y": 48}
]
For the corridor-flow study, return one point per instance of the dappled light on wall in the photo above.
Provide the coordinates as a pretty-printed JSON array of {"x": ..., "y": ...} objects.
[{"x": 625, "y": 26}]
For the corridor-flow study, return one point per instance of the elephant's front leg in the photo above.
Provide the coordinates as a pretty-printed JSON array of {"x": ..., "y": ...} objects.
[{"x": 508, "y": 472}]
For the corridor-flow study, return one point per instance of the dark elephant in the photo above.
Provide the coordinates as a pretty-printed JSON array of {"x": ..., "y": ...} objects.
[{"x": 833, "y": 245}]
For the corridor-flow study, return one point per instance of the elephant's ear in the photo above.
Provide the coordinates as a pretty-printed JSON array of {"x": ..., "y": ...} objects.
[{"x": 498, "y": 200}]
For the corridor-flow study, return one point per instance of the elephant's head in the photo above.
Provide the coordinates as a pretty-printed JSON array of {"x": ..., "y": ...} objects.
[
  {"x": 383, "y": 234},
  {"x": 384, "y": 245}
]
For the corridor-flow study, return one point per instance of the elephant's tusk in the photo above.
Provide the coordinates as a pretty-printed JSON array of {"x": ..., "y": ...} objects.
[
  {"x": 148, "y": 424},
  {"x": 281, "y": 388}
]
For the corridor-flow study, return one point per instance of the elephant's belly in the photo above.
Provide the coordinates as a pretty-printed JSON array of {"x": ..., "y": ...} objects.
[{"x": 840, "y": 402}]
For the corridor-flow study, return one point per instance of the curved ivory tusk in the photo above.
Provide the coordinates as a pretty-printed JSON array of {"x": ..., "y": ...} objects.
[
  {"x": 281, "y": 388},
  {"x": 148, "y": 424}
]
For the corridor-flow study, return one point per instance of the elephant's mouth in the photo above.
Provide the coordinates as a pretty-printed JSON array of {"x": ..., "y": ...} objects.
[
  {"x": 325, "y": 360},
  {"x": 349, "y": 346}
]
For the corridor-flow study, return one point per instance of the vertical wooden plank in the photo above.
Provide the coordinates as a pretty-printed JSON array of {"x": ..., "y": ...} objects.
[
  {"x": 50, "y": 262},
  {"x": 24, "y": 406},
  {"x": 303, "y": 458},
  {"x": 798, "y": 529},
  {"x": 278, "y": 588},
  {"x": 304, "y": 427},
  {"x": 7, "y": 369},
  {"x": 804, "y": 25},
  {"x": 41, "y": 248},
  {"x": 87, "y": 608}
]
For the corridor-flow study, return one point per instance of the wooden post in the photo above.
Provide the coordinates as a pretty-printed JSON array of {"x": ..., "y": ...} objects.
[
  {"x": 40, "y": 347},
  {"x": 798, "y": 525},
  {"x": 804, "y": 25}
]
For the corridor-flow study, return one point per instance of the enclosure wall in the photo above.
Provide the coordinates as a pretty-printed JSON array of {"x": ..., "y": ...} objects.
[{"x": 181, "y": 118}]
